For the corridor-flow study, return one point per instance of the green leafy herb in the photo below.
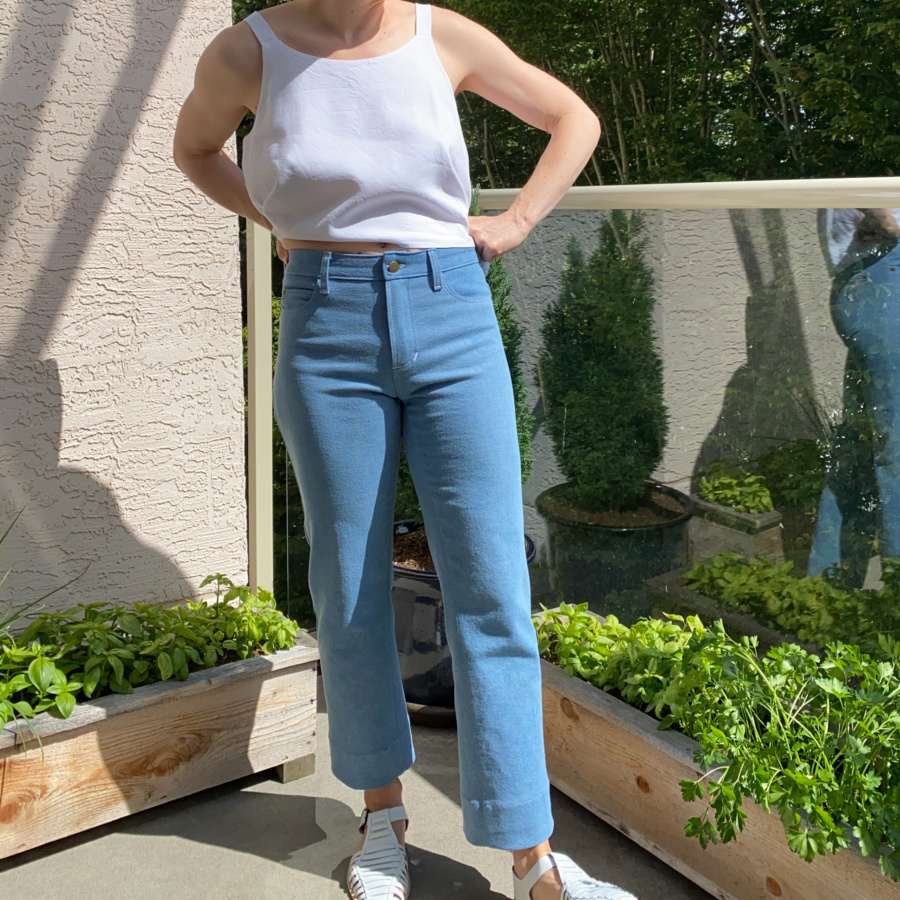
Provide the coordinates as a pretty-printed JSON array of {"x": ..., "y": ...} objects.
[
  {"x": 815, "y": 610},
  {"x": 814, "y": 738},
  {"x": 732, "y": 486},
  {"x": 62, "y": 658}
]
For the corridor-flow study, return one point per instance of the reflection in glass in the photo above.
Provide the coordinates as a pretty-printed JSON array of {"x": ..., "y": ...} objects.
[
  {"x": 859, "y": 511},
  {"x": 778, "y": 367}
]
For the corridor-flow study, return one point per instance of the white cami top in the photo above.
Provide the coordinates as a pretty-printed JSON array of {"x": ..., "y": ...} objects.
[{"x": 359, "y": 150}]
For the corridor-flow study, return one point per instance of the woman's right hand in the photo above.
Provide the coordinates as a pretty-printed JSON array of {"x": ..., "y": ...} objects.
[{"x": 877, "y": 226}]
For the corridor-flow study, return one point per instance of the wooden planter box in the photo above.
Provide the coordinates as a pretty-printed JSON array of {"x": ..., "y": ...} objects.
[
  {"x": 613, "y": 760},
  {"x": 121, "y": 754},
  {"x": 715, "y": 528}
]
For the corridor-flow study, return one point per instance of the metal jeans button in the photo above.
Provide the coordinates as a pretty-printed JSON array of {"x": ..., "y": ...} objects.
[{"x": 393, "y": 266}]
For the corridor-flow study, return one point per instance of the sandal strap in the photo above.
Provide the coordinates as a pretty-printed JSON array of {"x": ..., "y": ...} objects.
[
  {"x": 578, "y": 885},
  {"x": 522, "y": 886},
  {"x": 395, "y": 814}
]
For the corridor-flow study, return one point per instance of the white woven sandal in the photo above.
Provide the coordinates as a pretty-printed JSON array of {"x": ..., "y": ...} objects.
[
  {"x": 577, "y": 884},
  {"x": 380, "y": 870}
]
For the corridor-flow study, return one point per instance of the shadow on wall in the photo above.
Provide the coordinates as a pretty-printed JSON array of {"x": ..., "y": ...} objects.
[
  {"x": 30, "y": 387},
  {"x": 766, "y": 402}
]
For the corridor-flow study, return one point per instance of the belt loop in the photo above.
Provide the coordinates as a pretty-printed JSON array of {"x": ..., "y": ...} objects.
[
  {"x": 435, "y": 268},
  {"x": 323, "y": 272}
]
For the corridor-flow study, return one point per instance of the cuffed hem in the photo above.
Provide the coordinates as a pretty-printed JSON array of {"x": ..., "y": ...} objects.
[
  {"x": 375, "y": 770},
  {"x": 502, "y": 827}
]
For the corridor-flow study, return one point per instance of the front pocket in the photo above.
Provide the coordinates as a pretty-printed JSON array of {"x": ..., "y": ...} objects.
[
  {"x": 467, "y": 283},
  {"x": 298, "y": 290}
]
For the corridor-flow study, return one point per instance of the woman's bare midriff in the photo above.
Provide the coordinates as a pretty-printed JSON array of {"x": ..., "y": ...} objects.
[{"x": 347, "y": 246}]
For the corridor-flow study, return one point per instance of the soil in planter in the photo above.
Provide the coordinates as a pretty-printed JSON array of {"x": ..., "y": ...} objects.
[
  {"x": 657, "y": 508},
  {"x": 411, "y": 551}
]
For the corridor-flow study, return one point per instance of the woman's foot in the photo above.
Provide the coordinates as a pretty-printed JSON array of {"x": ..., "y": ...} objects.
[
  {"x": 549, "y": 885},
  {"x": 542, "y": 875},
  {"x": 385, "y": 798},
  {"x": 379, "y": 868}
]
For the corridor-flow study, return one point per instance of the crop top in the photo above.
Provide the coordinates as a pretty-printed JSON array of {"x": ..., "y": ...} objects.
[{"x": 359, "y": 150}]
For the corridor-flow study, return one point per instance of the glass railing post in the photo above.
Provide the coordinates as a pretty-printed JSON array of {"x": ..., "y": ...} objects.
[{"x": 261, "y": 567}]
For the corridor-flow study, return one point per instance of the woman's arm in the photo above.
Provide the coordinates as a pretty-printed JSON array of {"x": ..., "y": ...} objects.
[
  {"x": 227, "y": 74},
  {"x": 478, "y": 61}
]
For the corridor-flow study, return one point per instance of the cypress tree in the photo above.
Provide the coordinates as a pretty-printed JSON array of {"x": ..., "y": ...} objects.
[{"x": 600, "y": 373}]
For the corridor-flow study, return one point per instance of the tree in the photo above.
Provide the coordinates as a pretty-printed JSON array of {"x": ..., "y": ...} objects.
[
  {"x": 709, "y": 90},
  {"x": 600, "y": 373}
]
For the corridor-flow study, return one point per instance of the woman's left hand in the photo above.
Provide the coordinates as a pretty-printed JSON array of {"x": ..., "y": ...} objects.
[{"x": 495, "y": 236}]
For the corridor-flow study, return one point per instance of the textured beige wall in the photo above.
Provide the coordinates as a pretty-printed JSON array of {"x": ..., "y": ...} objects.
[{"x": 120, "y": 349}]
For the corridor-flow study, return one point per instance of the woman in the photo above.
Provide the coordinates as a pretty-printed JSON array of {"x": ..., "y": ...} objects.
[
  {"x": 357, "y": 163},
  {"x": 859, "y": 510}
]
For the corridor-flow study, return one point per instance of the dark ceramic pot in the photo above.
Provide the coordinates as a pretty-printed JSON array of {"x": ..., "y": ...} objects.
[
  {"x": 422, "y": 639},
  {"x": 606, "y": 566}
]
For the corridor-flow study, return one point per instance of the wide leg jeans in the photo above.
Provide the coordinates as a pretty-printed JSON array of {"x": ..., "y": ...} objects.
[
  {"x": 374, "y": 350},
  {"x": 865, "y": 308}
]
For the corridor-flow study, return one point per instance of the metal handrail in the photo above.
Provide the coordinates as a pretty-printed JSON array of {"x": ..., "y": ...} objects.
[{"x": 820, "y": 193}]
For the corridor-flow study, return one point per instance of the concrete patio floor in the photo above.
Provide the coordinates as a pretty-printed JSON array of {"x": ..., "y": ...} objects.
[{"x": 257, "y": 838}]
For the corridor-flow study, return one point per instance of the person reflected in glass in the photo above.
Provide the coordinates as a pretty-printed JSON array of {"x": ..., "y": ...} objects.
[{"x": 859, "y": 510}]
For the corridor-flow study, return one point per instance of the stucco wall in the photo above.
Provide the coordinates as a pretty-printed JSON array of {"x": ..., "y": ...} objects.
[
  {"x": 120, "y": 349},
  {"x": 742, "y": 322}
]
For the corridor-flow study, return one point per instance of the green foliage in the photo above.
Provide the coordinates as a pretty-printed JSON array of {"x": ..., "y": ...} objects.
[
  {"x": 240, "y": 9},
  {"x": 712, "y": 90},
  {"x": 815, "y": 610},
  {"x": 795, "y": 473},
  {"x": 599, "y": 372},
  {"x": 730, "y": 485},
  {"x": 91, "y": 649},
  {"x": 816, "y": 739},
  {"x": 846, "y": 81}
]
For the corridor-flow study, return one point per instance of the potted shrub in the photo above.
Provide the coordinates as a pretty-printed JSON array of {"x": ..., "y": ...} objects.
[
  {"x": 418, "y": 607},
  {"x": 754, "y": 776},
  {"x": 601, "y": 385},
  {"x": 733, "y": 511},
  {"x": 107, "y": 710}
]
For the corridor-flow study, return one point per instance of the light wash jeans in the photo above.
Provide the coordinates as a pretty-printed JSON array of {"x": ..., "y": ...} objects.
[
  {"x": 372, "y": 348},
  {"x": 865, "y": 307}
]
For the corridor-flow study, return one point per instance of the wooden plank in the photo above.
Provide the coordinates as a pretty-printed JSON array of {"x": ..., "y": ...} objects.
[
  {"x": 102, "y": 708},
  {"x": 295, "y": 769},
  {"x": 613, "y": 760},
  {"x": 138, "y": 759}
]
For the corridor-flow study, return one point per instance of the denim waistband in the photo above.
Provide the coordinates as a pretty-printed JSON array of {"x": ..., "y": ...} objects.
[{"x": 377, "y": 267}]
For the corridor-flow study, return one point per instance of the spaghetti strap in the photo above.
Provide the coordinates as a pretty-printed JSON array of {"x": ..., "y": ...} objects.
[
  {"x": 262, "y": 29},
  {"x": 423, "y": 19}
]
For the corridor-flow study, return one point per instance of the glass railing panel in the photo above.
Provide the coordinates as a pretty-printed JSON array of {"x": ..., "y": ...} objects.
[{"x": 771, "y": 338}]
